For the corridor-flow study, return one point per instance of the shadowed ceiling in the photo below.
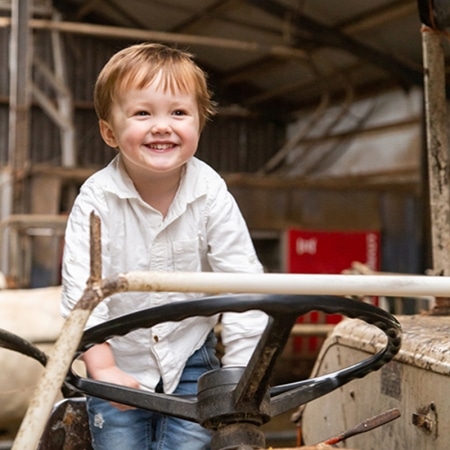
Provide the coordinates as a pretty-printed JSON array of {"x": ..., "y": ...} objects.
[{"x": 277, "y": 56}]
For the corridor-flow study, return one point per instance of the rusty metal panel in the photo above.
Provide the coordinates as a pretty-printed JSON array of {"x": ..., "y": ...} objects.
[{"x": 67, "y": 427}]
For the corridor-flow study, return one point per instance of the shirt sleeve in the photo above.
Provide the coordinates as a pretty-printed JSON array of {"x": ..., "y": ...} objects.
[
  {"x": 76, "y": 256},
  {"x": 230, "y": 249}
]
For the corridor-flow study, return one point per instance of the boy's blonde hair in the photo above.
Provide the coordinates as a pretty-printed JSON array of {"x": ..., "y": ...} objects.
[{"x": 137, "y": 66}]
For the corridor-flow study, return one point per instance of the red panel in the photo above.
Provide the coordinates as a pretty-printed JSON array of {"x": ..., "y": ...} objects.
[{"x": 328, "y": 252}]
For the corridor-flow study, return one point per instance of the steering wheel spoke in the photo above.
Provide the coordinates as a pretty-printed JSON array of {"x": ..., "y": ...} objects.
[{"x": 256, "y": 377}]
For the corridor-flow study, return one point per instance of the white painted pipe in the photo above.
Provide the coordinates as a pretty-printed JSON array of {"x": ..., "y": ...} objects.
[
  {"x": 279, "y": 283},
  {"x": 47, "y": 389}
]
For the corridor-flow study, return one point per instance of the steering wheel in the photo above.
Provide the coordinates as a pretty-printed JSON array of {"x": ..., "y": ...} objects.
[{"x": 234, "y": 402}]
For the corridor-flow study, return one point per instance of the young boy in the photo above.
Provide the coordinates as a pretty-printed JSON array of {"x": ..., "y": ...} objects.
[{"x": 161, "y": 209}]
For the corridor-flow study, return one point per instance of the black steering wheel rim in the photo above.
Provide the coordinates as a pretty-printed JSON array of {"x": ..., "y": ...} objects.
[
  {"x": 271, "y": 304},
  {"x": 283, "y": 311}
]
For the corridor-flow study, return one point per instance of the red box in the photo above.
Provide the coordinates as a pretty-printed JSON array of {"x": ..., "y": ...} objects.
[{"x": 327, "y": 252}]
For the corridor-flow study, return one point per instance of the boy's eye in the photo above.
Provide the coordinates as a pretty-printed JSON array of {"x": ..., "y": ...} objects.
[
  {"x": 179, "y": 112},
  {"x": 142, "y": 113}
]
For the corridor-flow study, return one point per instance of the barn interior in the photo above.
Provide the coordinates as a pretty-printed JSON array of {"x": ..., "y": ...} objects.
[
  {"x": 320, "y": 124},
  {"x": 321, "y": 132}
]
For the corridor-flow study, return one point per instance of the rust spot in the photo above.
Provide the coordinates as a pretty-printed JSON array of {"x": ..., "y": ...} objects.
[
  {"x": 426, "y": 418},
  {"x": 422, "y": 421}
]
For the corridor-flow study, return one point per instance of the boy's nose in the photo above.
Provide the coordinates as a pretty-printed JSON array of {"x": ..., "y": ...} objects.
[{"x": 160, "y": 126}]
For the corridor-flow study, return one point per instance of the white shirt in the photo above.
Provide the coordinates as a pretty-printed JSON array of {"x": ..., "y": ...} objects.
[{"x": 202, "y": 231}]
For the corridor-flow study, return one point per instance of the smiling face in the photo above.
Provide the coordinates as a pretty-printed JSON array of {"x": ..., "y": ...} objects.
[{"x": 156, "y": 129}]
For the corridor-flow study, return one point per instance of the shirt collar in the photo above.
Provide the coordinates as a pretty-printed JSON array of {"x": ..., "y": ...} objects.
[{"x": 193, "y": 183}]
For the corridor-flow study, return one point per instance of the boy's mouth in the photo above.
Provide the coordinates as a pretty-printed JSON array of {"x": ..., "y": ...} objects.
[{"x": 161, "y": 147}]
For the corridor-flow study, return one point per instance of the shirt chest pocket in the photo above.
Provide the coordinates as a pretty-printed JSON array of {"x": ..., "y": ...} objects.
[{"x": 187, "y": 255}]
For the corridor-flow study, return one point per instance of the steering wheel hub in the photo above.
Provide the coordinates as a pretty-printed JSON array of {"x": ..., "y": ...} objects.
[{"x": 217, "y": 403}]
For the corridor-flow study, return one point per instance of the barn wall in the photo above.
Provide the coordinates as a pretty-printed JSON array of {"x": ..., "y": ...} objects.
[
  {"x": 380, "y": 134},
  {"x": 397, "y": 215},
  {"x": 229, "y": 143},
  {"x": 236, "y": 144},
  {"x": 376, "y": 137}
]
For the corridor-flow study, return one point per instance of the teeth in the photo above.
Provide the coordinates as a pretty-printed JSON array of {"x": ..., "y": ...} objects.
[{"x": 161, "y": 146}]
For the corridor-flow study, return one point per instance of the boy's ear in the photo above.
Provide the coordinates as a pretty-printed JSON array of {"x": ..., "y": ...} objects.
[{"x": 107, "y": 134}]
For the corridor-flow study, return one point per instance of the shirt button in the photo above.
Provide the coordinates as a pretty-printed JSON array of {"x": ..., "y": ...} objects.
[{"x": 156, "y": 338}]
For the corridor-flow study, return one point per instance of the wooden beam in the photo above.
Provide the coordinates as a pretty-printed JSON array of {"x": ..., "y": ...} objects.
[
  {"x": 334, "y": 38},
  {"x": 19, "y": 96},
  {"x": 407, "y": 180},
  {"x": 379, "y": 16},
  {"x": 303, "y": 85},
  {"x": 145, "y": 35},
  {"x": 404, "y": 179},
  {"x": 199, "y": 19},
  {"x": 437, "y": 157}
]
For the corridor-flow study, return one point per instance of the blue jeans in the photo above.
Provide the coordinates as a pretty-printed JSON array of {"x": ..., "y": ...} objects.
[{"x": 137, "y": 429}]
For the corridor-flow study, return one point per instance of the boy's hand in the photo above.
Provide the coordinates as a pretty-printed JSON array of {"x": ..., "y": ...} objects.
[
  {"x": 101, "y": 366},
  {"x": 116, "y": 376}
]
